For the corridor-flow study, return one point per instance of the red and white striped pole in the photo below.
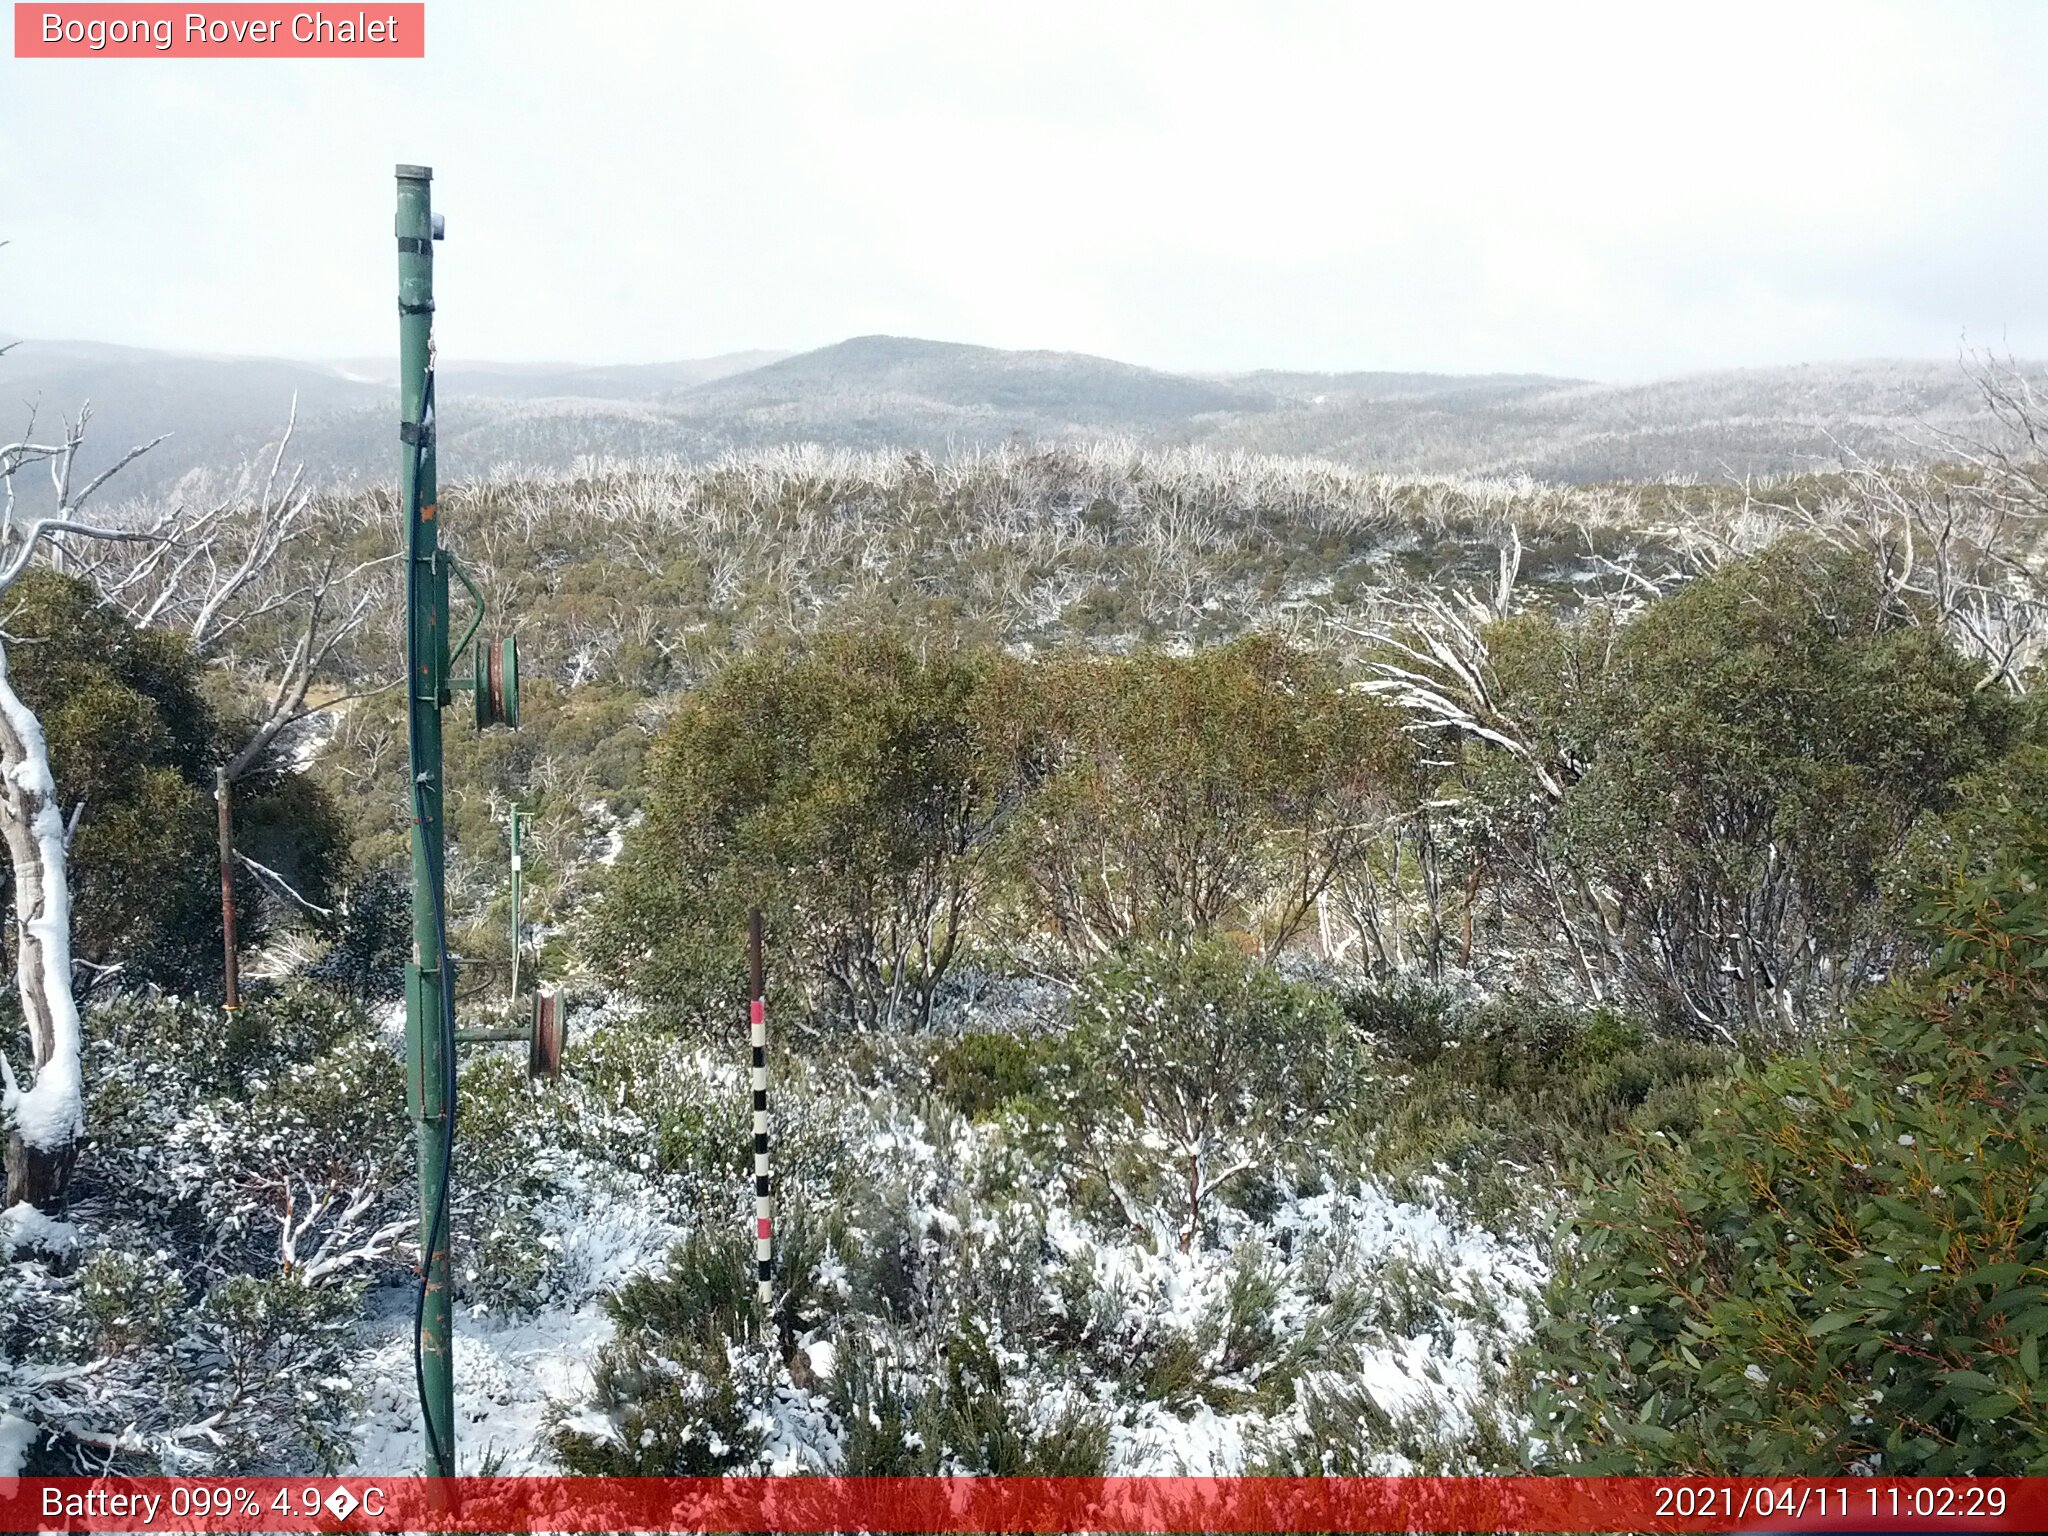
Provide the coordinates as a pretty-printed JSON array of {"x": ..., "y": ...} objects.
[{"x": 764, "y": 1200}]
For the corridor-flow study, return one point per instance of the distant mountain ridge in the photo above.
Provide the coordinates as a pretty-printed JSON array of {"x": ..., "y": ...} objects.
[{"x": 904, "y": 393}]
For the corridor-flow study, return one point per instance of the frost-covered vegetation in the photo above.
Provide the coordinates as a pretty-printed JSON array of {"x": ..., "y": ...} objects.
[
  {"x": 1272, "y": 968},
  {"x": 899, "y": 392}
]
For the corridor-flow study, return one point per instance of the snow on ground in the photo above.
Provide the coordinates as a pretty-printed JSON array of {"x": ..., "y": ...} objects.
[
  {"x": 509, "y": 1370},
  {"x": 605, "y": 834},
  {"x": 25, "y": 1229},
  {"x": 16, "y": 1436},
  {"x": 1444, "y": 1301},
  {"x": 1439, "y": 1370},
  {"x": 507, "y": 1375},
  {"x": 976, "y": 1001}
]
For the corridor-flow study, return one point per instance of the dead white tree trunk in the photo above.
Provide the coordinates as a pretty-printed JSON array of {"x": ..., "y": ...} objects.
[{"x": 43, "y": 1117}]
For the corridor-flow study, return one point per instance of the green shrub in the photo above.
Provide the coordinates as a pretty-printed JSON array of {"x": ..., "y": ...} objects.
[
  {"x": 680, "y": 1392},
  {"x": 275, "y": 1349},
  {"x": 849, "y": 790},
  {"x": 1199, "y": 795},
  {"x": 1191, "y": 1072},
  {"x": 1342, "y": 1432},
  {"x": 1480, "y": 1099},
  {"x": 1408, "y": 1019},
  {"x": 1847, "y": 1268},
  {"x": 978, "y": 1075},
  {"x": 968, "y": 1421},
  {"x": 277, "y": 1028},
  {"x": 126, "y": 1301},
  {"x": 373, "y": 938}
]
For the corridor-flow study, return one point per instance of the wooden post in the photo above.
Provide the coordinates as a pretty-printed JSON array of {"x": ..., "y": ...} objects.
[{"x": 233, "y": 1000}]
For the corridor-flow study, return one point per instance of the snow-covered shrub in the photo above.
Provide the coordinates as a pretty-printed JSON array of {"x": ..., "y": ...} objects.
[
  {"x": 940, "y": 1305},
  {"x": 126, "y": 1300},
  {"x": 648, "y": 1124},
  {"x": 265, "y": 1357},
  {"x": 973, "y": 1419},
  {"x": 1194, "y": 1071},
  {"x": 1339, "y": 1429},
  {"x": 683, "y": 1390},
  {"x": 244, "y": 1177}
]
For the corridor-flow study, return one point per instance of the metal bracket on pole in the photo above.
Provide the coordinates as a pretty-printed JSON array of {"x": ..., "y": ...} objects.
[
  {"x": 545, "y": 1034},
  {"x": 476, "y": 619}
]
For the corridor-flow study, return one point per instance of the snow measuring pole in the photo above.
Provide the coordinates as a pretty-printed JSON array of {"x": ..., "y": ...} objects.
[{"x": 764, "y": 1198}]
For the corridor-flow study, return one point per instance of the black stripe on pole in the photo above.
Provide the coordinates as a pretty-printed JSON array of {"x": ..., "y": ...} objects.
[
  {"x": 760, "y": 1098},
  {"x": 760, "y": 1141},
  {"x": 760, "y": 1055},
  {"x": 761, "y": 1184}
]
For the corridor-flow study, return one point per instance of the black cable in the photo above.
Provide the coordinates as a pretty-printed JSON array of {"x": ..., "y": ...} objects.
[{"x": 437, "y": 1226}]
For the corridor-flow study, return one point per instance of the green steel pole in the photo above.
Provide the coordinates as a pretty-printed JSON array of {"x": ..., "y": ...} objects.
[{"x": 429, "y": 1062}]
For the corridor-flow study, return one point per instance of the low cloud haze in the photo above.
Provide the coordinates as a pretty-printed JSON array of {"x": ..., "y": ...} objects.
[{"x": 1593, "y": 191}]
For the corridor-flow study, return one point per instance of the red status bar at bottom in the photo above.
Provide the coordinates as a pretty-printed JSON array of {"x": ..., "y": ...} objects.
[{"x": 1115, "y": 1504}]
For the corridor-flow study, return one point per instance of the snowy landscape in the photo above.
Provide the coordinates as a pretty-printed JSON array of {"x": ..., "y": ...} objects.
[
  {"x": 920, "y": 741},
  {"x": 1228, "y": 920}
]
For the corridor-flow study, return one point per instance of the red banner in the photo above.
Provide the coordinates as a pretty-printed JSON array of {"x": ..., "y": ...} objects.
[
  {"x": 934, "y": 1504},
  {"x": 101, "y": 31}
]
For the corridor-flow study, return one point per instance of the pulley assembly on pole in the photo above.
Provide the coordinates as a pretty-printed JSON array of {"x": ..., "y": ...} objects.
[{"x": 431, "y": 664}]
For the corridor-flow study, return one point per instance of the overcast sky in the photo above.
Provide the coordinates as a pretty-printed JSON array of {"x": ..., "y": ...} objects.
[{"x": 1613, "y": 192}]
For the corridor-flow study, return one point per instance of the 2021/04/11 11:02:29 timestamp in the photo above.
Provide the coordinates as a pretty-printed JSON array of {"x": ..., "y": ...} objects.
[{"x": 1807, "y": 1501}]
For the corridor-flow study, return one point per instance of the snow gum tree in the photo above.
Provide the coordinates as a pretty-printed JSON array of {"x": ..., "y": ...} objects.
[
  {"x": 1200, "y": 795},
  {"x": 189, "y": 577},
  {"x": 850, "y": 789},
  {"x": 43, "y": 1118},
  {"x": 1703, "y": 798},
  {"x": 42, "y": 1115}
]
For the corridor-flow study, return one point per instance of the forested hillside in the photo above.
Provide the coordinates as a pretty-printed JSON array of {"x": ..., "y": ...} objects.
[
  {"x": 1273, "y": 965},
  {"x": 943, "y": 399}
]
